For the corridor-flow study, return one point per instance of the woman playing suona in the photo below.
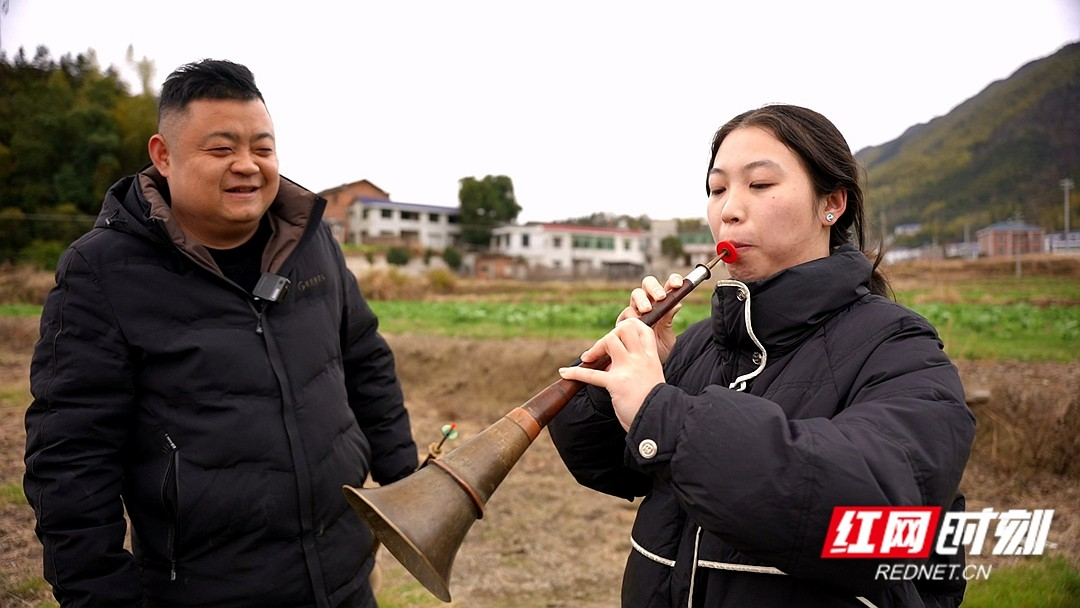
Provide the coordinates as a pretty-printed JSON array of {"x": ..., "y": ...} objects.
[{"x": 807, "y": 389}]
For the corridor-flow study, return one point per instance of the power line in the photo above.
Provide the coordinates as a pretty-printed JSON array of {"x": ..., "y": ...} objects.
[{"x": 46, "y": 217}]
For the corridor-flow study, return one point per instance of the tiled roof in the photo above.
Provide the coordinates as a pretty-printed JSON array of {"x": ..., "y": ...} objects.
[
  {"x": 389, "y": 204},
  {"x": 1011, "y": 226}
]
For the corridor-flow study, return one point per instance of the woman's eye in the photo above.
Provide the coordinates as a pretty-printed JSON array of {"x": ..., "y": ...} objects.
[
  {"x": 717, "y": 191},
  {"x": 760, "y": 185}
]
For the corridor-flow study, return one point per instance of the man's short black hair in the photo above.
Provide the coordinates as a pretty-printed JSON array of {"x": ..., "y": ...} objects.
[{"x": 206, "y": 79}]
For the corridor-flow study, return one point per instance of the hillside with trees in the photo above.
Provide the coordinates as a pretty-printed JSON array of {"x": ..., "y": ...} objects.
[
  {"x": 1001, "y": 153},
  {"x": 68, "y": 131}
]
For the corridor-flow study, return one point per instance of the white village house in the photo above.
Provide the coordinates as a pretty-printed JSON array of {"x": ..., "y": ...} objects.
[
  {"x": 573, "y": 250},
  {"x": 382, "y": 221}
]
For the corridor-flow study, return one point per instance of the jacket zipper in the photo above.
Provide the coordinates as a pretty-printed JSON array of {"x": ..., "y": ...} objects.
[
  {"x": 174, "y": 529},
  {"x": 260, "y": 309}
]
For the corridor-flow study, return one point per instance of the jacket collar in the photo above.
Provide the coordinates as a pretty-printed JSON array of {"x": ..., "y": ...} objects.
[{"x": 790, "y": 304}]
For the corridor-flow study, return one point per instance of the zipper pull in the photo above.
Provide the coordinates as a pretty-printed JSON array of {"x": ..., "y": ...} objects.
[{"x": 260, "y": 305}]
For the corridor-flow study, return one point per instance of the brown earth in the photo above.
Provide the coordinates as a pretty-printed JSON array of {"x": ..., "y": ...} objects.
[{"x": 544, "y": 540}]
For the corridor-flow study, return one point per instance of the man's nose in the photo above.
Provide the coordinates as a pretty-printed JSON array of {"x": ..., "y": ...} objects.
[{"x": 244, "y": 163}]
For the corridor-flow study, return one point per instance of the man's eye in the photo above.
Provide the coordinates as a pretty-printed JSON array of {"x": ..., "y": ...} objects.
[{"x": 264, "y": 151}]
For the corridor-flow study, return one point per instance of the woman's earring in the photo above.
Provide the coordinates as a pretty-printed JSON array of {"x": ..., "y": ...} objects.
[{"x": 829, "y": 217}]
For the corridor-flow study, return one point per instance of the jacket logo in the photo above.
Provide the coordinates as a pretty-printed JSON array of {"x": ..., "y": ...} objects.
[{"x": 314, "y": 281}]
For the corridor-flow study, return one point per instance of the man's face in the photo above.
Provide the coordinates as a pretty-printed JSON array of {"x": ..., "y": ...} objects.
[{"x": 219, "y": 158}]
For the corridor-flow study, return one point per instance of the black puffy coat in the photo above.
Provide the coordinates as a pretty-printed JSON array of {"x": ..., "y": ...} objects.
[
  {"x": 226, "y": 425},
  {"x": 855, "y": 405}
]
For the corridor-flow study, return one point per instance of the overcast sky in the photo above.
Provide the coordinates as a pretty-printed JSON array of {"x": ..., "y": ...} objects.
[{"x": 587, "y": 105}]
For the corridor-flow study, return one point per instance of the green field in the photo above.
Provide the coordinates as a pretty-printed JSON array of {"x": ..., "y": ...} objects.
[
  {"x": 1044, "y": 582},
  {"x": 1037, "y": 319},
  {"x": 1012, "y": 331}
]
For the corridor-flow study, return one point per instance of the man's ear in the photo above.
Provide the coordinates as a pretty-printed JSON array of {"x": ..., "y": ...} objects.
[{"x": 159, "y": 154}]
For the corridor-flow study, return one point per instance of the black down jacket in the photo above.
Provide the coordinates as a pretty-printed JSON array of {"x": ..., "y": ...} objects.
[
  {"x": 849, "y": 401},
  {"x": 225, "y": 426}
]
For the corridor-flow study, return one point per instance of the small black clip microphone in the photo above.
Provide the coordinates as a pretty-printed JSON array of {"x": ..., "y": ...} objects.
[{"x": 271, "y": 287}]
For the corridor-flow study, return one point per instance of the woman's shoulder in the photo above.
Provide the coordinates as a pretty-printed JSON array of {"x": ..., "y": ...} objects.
[
  {"x": 874, "y": 316},
  {"x": 886, "y": 309}
]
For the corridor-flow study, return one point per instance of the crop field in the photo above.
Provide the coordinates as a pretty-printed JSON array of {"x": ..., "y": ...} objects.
[{"x": 471, "y": 351}]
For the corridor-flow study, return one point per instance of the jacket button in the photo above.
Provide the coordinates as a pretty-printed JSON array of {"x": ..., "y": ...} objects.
[
  {"x": 756, "y": 358},
  {"x": 740, "y": 295},
  {"x": 647, "y": 448}
]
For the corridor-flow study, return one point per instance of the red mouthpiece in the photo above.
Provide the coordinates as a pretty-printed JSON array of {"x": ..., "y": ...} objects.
[{"x": 727, "y": 252}]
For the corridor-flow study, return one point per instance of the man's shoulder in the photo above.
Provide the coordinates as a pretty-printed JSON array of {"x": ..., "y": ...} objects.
[{"x": 102, "y": 244}]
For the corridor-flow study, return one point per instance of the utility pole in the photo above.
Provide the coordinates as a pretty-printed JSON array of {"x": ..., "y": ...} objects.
[
  {"x": 1066, "y": 185},
  {"x": 1014, "y": 239}
]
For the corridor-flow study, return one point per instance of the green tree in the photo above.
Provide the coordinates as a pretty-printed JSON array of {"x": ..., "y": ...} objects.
[
  {"x": 485, "y": 204},
  {"x": 398, "y": 256},
  {"x": 68, "y": 131},
  {"x": 452, "y": 257},
  {"x": 605, "y": 219},
  {"x": 671, "y": 247}
]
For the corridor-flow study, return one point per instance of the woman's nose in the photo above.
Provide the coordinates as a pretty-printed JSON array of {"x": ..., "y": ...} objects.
[{"x": 731, "y": 210}]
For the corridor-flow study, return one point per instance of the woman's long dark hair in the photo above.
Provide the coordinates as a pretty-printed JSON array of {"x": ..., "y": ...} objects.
[{"x": 828, "y": 159}]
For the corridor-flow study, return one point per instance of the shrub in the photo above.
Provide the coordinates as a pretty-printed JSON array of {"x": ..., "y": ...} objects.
[
  {"x": 441, "y": 280},
  {"x": 452, "y": 257},
  {"x": 389, "y": 284},
  {"x": 398, "y": 256},
  {"x": 42, "y": 255}
]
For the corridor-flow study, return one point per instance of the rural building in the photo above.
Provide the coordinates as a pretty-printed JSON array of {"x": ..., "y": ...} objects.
[
  {"x": 361, "y": 212},
  {"x": 341, "y": 198},
  {"x": 573, "y": 250},
  {"x": 1062, "y": 243},
  {"x": 1013, "y": 237},
  {"x": 385, "y": 222}
]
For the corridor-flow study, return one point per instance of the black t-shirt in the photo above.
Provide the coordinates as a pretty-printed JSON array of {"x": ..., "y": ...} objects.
[{"x": 243, "y": 264}]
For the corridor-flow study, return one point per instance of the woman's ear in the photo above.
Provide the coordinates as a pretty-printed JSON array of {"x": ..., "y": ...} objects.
[
  {"x": 159, "y": 153},
  {"x": 835, "y": 205}
]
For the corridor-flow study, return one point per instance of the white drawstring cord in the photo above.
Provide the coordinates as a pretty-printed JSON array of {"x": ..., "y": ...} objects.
[
  {"x": 718, "y": 566},
  {"x": 693, "y": 569},
  {"x": 739, "y": 383},
  {"x": 670, "y": 563}
]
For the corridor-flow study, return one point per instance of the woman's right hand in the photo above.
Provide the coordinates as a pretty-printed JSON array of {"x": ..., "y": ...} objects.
[{"x": 642, "y": 300}]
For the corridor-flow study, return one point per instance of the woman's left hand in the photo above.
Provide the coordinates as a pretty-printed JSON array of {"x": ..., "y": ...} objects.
[{"x": 634, "y": 371}]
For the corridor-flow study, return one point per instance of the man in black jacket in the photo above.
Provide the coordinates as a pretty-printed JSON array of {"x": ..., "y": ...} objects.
[{"x": 208, "y": 363}]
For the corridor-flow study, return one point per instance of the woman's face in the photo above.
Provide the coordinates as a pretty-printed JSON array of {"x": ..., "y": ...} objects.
[{"x": 762, "y": 201}]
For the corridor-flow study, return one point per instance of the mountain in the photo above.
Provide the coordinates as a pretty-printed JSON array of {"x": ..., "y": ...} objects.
[{"x": 1001, "y": 153}]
